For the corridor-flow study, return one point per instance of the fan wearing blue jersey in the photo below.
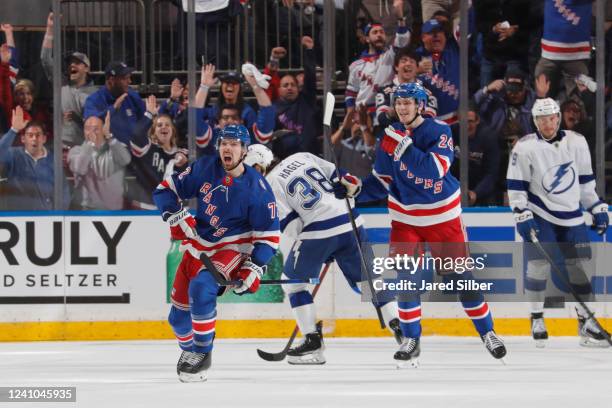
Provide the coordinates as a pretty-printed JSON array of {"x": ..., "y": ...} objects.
[
  {"x": 236, "y": 225},
  {"x": 550, "y": 181},
  {"x": 311, "y": 208},
  {"x": 412, "y": 168}
]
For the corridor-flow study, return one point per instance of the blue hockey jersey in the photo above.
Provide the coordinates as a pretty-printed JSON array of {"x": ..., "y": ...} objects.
[
  {"x": 232, "y": 213},
  {"x": 420, "y": 187},
  {"x": 567, "y": 30}
]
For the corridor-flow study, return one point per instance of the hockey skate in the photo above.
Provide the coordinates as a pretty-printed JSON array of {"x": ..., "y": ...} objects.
[
  {"x": 309, "y": 352},
  {"x": 590, "y": 335},
  {"x": 394, "y": 325},
  {"x": 193, "y": 367},
  {"x": 494, "y": 345},
  {"x": 538, "y": 329},
  {"x": 408, "y": 353}
]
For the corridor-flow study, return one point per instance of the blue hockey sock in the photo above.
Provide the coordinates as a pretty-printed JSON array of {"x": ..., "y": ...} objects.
[
  {"x": 203, "y": 301},
  {"x": 180, "y": 320},
  {"x": 410, "y": 318}
]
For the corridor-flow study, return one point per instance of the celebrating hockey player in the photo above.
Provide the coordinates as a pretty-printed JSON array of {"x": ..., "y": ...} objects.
[
  {"x": 236, "y": 225},
  {"x": 412, "y": 168},
  {"x": 312, "y": 207},
  {"x": 549, "y": 180}
]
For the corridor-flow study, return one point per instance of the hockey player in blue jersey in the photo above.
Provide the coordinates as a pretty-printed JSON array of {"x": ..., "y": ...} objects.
[
  {"x": 412, "y": 169},
  {"x": 550, "y": 181},
  {"x": 311, "y": 208},
  {"x": 236, "y": 225}
]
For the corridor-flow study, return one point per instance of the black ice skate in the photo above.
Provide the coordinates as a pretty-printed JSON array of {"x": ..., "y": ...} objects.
[
  {"x": 408, "y": 353},
  {"x": 590, "y": 334},
  {"x": 538, "y": 329},
  {"x": 494, "y": 345},
  {"x": 310, "y": 351},
  {"x": 394, "y": 325},
  {"x": 194, "y": 366}
]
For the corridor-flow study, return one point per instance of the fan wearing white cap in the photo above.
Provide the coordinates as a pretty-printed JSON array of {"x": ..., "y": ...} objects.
[{"x": 550, "y": 181}]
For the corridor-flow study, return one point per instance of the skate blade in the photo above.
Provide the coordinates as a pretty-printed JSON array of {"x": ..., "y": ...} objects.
[
  {"x": 412, "y": 363},
  {"x": 191, "y": 378},
  {"x": 503, "y": 361},
  {"x": 540, "y": 343},
  {"x": 590, "y": 343},
  {"x": 315, "y": 358}
]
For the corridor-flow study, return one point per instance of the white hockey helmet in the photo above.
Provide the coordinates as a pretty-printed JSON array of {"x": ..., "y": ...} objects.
[
  {"x": 545, "y": 107},
  {"x": 260, "y": 155}
]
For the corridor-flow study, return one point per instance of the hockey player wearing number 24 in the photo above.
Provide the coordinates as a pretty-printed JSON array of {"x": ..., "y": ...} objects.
[
  {"x": 312, "y": 209},
  {"x": 412, "y": 167},
  {"x": 549, "y": 180},
  {"x": 236, "y": 225}
]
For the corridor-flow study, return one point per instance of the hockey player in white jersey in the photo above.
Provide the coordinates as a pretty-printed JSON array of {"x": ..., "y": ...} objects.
[
  {"x": 550, "y": 181},
  {"x": 313, "y": 209}
]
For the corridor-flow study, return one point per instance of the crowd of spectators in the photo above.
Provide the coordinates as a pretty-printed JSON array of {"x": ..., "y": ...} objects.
[{"x": 118, "y": 143}]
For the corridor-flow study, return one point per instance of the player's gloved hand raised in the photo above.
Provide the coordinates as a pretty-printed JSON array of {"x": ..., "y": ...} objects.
[
  {"x": 525, "y": 224},
  {"x": 348, "y": 186},
  {"x": 601, "y": 220},
  {"x": 182, "y": 224},
  {"x": 250, "y": 274},
  {"x": 395, "y": 142}
]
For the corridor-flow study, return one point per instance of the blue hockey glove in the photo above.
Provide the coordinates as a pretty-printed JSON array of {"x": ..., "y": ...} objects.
[
  {"x": 601, "y": 220},
  {"x": 525, "y": 224}
]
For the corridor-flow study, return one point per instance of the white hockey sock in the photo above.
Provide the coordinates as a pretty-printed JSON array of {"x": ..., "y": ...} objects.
[
  {"x": 389, "y": 312},
  {"x": 305, "y": 316}
]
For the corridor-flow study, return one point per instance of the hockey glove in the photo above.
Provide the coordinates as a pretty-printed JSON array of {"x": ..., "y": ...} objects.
[
  {"x": 601, "y": 220},
  {"x": 525, "y": 224},
  {"x": 261, "y": 79},
  {"x": 250, "y": 274},
  {"x": 395, "y": 142},
  {"x": 348, "y": 186},
  {"x": 182, "y": 224}
]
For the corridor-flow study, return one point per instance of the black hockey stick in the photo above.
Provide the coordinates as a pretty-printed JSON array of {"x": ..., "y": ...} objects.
[
  {"x": 220, "y": 279},
  {"x": 560, "y": 275},
  {"x": 330, "y": 101},
  {"x": 280, "y": 356}
]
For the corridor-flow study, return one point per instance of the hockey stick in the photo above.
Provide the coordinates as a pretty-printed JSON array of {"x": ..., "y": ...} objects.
[
  {"x": 220, "y": 279},
  {"x": 560, "y": 275},
  {"x": 280, "y": 356},
  {"x": 330, "y": 101}
]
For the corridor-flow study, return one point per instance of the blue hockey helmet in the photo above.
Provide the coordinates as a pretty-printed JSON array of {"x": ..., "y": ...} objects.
[
  {"x": 238, "y": 132},
  {"x": 412, "y": 90}
]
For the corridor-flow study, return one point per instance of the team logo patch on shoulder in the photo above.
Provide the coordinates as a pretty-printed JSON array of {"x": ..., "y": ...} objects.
[{"x": 558, "y": 179}]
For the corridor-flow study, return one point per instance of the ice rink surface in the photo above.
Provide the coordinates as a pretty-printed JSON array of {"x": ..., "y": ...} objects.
[{"x": 454, "y": 372}]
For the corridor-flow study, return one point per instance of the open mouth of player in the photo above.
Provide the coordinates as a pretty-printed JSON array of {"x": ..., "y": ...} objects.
[{"x": 228, "y": 159}]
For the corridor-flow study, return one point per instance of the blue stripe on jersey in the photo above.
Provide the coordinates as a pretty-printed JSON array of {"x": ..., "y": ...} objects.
[
  {"x": 562, "y": 215},
  {"x": 519, "y": 185},
  {"x": 285, "y": 221},
  {"x": 329, "y": 223},
  {"x": 586, "y": 179}
]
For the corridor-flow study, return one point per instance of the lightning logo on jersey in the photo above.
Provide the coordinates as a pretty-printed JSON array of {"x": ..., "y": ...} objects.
[{"x": 559, "y": 179}]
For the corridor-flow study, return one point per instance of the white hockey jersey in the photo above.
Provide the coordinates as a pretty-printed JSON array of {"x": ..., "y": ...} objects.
[
  {"x": 553, "y": 179},
  {"x": 307, "y": 207}
]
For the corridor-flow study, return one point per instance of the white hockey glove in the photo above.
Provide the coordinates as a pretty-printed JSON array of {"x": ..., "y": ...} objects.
[
  {"x": 250, "y": 274},
  {"x": 182, "y": 225},
  {"x": 348, "y": 186},
  {"x": 525, "y": 224},
  {"x": 261, "y": 79},
  {"x": 600, "y": 217}
]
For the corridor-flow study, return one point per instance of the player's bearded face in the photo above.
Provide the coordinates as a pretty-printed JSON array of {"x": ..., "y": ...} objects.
[
  {"x": 548, "y": 125},
  {"x": 406, "y": 109},
  {"x": 231, "y": 152}
]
